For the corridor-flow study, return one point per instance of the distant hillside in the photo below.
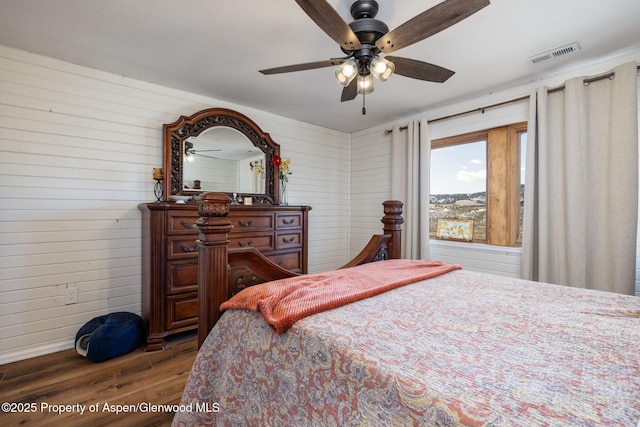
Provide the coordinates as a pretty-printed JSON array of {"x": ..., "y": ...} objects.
[
  {"x": 449, "y": 199},
  {"x": 479, "y": 198}
]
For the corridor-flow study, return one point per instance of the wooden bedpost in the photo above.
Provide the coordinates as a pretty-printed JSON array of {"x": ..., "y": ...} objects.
[
  {"x": 213, "y": 244},
  {"x": 393, "y": 221}
]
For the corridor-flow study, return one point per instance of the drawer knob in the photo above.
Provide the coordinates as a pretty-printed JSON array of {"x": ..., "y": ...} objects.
[
  {"x": 289, "y": 240},
  {"x": 288, "y": 221},
  {"x": 185, "y": 224},
  {"x": 244, "y": 245},
  {"x": 186, "y": 248},
  {"x": 245, "y": 224}
]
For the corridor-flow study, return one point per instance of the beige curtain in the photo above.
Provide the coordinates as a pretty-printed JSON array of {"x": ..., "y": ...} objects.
[
  {"x": 581, "y": 185},
  {"x": 410, "y": 160}
]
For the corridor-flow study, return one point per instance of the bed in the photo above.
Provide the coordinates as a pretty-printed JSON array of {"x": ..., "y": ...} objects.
[{"x": 459, "y": 348}]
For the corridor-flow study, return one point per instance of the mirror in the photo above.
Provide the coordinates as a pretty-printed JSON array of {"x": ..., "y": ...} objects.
[
  {"x": 219, "y": 150},
  {"x": 222, "y": 159}
]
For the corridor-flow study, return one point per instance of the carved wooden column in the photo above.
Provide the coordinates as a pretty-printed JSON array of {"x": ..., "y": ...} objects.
[
  {"x": 393, "y": 221},
  {"x": 213, "y": 274}
]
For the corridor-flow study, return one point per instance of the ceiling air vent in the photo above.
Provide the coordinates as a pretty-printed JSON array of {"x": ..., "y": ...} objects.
[{"x": 559, "y": 51}]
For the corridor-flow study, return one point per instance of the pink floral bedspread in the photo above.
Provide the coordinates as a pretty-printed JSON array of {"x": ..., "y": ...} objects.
[{"x": 465, "y": 349}]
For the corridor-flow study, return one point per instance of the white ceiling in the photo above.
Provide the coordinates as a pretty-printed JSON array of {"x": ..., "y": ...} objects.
[{"x": 216, "y": 47}]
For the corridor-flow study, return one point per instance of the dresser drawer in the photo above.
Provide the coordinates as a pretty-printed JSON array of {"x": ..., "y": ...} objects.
[
  {"x": 181, "y": 247},
  {"x": 251, "y": 222},
  {"x": 181, "y": 222},
  {"x": 262, "y": 242},
  {"x": 182, "y": 276},
  {"x": 288, "y": 220},
  {"x": 289, "y": 240},
  {"x": 182, "y": 310},
  {"x": 292, "y": 261}
]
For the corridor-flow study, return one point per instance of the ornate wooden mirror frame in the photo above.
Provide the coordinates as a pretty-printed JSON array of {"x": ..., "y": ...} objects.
[{"x": 175, "y": 134}]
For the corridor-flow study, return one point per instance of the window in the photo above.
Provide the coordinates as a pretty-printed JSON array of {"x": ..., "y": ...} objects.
[
  {"x": 522, "y": 138},
  {"x": 480, "y": 176}
]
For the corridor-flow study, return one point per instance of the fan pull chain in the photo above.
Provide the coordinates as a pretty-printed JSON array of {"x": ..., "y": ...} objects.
[{"x": 364, "y": 109}]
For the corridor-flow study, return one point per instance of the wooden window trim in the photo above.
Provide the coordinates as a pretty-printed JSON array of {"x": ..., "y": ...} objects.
[
  {"x": 459, "y": 139},
  {"x": 503, "y": 179}
]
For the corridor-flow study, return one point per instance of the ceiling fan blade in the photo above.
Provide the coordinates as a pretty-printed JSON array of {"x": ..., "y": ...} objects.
[
  {"x": 350, "y": 92},
  {"x": 420, "y": 70},
  {"x": 330, "y": 22},
  {"x": 302, "y": 67},
  {"x": 428, "y": 23}
]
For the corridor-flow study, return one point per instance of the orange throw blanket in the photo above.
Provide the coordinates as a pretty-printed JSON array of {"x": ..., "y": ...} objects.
[{"x": 283, "y": 302}]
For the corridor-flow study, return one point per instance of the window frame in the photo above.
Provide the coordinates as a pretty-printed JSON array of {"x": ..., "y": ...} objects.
[{"x": 503, "y": 179}]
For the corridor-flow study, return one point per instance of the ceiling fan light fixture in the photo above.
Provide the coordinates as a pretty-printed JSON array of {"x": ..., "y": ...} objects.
[
  {"x": 365, "y": 84},
  {"x": 346, "y": 72},
  {"x": 189, "y": 152},
  {"x": 366, "y": 37},
  {"x": 381, "y": 68}
]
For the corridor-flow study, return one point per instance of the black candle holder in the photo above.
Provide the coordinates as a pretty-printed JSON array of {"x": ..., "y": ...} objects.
[{"x": 158, "y": 189}]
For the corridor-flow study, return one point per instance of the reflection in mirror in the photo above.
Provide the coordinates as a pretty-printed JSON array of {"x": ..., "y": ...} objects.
[{"x": 223, "y": 159}]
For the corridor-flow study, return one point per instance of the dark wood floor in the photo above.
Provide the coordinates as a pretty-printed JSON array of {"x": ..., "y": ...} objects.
[{"x": 65, "y": 378}]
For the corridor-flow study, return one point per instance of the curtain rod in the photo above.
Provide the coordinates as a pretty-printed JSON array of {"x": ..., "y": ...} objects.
[{"x": 586, "y": 82}]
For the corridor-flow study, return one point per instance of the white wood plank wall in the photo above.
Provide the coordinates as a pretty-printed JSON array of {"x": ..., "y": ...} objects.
[
  {"x": 77, "y": 148},
  {"x": 370, "y": 185}
]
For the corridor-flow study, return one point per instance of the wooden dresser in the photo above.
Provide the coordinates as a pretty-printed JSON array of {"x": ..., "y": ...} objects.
[{"x": 170, "y": 256}]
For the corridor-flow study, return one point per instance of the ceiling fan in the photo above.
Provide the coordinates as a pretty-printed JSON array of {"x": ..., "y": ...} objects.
[
  {"x": 364, "y": 39},
  {"x": 190, "y": 152}
]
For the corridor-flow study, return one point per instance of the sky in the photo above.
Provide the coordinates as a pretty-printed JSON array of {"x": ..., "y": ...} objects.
[
  {"x": 459, "y": 169},
  {"x": 463, "y": 168}
]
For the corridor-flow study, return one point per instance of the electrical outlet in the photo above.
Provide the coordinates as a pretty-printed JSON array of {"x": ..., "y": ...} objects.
[{"x": 71, "y": 295}]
